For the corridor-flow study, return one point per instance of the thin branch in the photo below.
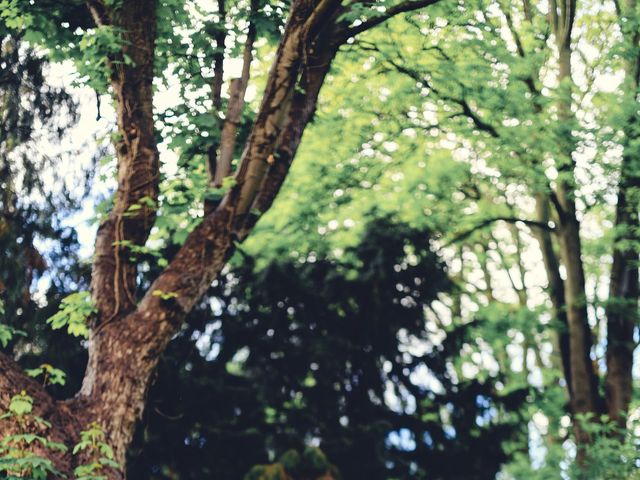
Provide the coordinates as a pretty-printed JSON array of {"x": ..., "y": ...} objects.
[
  {"x": 616, "y": 3},
  {"x": 505, "y": 266},
  {"x": 488, "y": 221},
  {"x": 404, "y": 7},
  {"x": 216, "y": 94},
  {"x": 234, "y": 109},
  {"x": 99, "y": 12},
  {"x": 467, "y": 111},
  {"x": 512, "y": 28},
  {"x": 526, "y": 7},
  {"x": 557, "y": 205}
]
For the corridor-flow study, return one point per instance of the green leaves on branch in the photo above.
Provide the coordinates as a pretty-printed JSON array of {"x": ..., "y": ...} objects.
[
  {"x": 92, "y": 444},
  {"x": 164, "y": 295},
  {"x": 50, "y": 374},
  {"x": 21, "y": 404},
  {"x": 100, "y": 47},
  {"x": 74, "y": 311},
  {"x": 21, "y": 453},
  {"x": 7, "y": 332},
  {"x": 18, "y": 459},
  {"x": 12, "y": 16},
  {"x": 145, "y": 201},
  {"x": 217, "y": 193}
]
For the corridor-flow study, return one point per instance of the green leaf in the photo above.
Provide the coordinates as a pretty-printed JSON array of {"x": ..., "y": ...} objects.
[{"x": 74, "y": 312}]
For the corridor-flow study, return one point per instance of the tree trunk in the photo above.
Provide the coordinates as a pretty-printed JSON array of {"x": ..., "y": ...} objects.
[
  {"x": 624, "y": 290},
  {"x": 584, "y": 381},
  {"x": 622, "y": 306},
  {"x": 555, "y": 287}
]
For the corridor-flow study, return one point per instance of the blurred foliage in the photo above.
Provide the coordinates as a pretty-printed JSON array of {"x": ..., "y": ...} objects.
[
  {"x": 336, "y": 351},
  {"x": 39, "y": 264},
  {"x": 310, "y": 465}
]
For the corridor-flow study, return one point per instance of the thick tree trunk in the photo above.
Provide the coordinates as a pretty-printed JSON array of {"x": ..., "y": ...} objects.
[
  {"x": 113, "y": 279},
  {"x": 127, "y": 337},
  {"x": 584, "y": 389},
  {"x": 121, "y": 366}
]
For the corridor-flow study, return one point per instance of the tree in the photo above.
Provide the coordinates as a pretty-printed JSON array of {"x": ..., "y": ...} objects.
[{"x": 129, "y": 330}]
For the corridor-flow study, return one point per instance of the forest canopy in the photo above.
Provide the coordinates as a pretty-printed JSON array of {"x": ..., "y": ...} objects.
[{"x": 319, "y": 239}]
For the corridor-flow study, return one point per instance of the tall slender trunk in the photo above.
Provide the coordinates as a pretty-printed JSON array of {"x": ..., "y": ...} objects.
[
  {"x": 555, "y": 287},
  {"x": 624, "y": 289},
  {"x": 622, "y": 306},
  {"x": 584, "y": 381}
]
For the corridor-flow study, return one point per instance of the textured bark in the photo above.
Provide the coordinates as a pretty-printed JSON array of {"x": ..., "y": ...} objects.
[
  {"x": 120, "y": 366},
  {"x": 584, "y": 381},
  {"x": 66, "y": 423},
  {"x": 584, "y": 387},
  {"x": 113, "y": 280},
  {"x": 555, "y": 287},
  {"x": 622, "y": 307},
  {"x": 216, "y": 96}
]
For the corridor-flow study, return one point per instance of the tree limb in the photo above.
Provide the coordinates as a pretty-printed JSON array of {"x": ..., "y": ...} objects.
[
  {"x": 234, "y": 110},
  {"x": 403, "y": 7},
  {"x": 486, "y": 222}
]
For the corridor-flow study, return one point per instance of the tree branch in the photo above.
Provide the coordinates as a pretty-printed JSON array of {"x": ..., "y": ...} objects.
[
  {"x": 113, "y": 280},
  {"x": 486, "y": 222},
  {"x": 99, "y": 12},
  {"x": 216, "y": 95},
  {"x": 403, "y": 7},
  {"x": 234, "y": 109}
]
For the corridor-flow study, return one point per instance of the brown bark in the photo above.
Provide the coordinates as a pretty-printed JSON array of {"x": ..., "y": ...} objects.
[
  {"x": 555, "y": 286},
  {"x": 216, "y": 96},
  {"x": 237, "y": 92},
  {"x": 113, "y": 280},
  {"x": 584, "y": 381},
  {"x": 583, "y": 387},
  {"x": 120, "y": 366},
  {"x": 66, "y": 423},
  {"x": 622, "y": 305}
]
